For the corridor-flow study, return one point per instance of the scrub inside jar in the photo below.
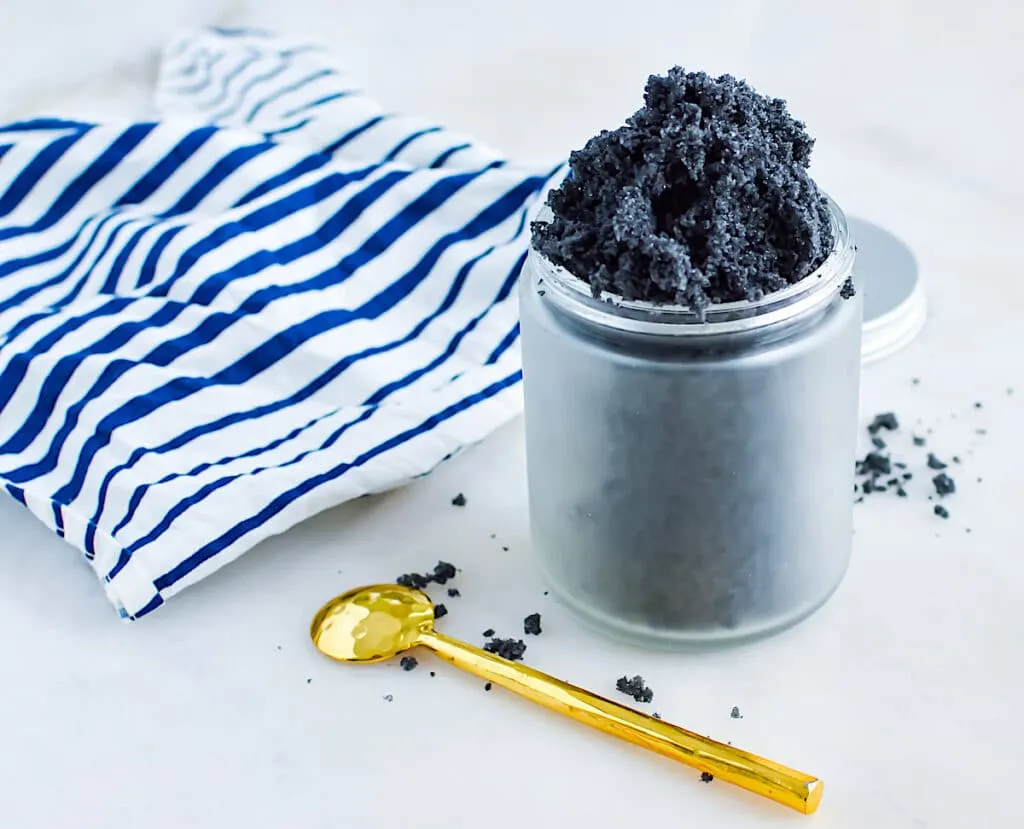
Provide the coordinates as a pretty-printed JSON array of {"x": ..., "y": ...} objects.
[{"x": 702, "y": 197}]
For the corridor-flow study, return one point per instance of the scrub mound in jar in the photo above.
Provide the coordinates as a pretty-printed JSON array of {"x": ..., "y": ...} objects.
[{"x": 701, "y": 197}]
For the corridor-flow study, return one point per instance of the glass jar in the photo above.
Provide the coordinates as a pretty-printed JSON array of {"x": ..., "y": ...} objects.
[{"x": 691, "y": 482}]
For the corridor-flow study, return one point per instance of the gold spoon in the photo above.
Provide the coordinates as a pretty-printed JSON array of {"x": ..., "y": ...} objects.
[{"x": 371, "y": 624}]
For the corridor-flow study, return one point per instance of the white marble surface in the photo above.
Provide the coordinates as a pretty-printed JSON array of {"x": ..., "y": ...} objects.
[{"x": 902, "y": 693}]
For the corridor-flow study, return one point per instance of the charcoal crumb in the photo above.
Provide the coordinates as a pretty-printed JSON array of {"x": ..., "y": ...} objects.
[
  {"x": 981, "y": 431},
  {"x": 309, "y": 680},
  {"x": 735, "y": 713},
  {"x": 459, "y": 500},
  {"x": 977, "y": 405},
  {"x": 956, "y": 459},
  {"x": 892, "y": 482},
  {"x": 941, "y": 511},
  {"x": 944, "y": 485},
  {"x": 875, "y": 462},
  {"x": 510, "y": 649},
  {"x": 886, "y": 420},
  {"x": 531, "y": 624},
  {"x": 488, "y": 686},
  {"x": 545, "y": 592},
  {"x": 635, "y": 688},
  {"x": 388, "y": 698},
  {"x": 487, "y": 634},
  {"x": 849, "y": 290},
  {"x": 504, "y": 549},
  {"x": 279, "y": 647},
  {"x": 443, "y": 571},
  {"x": 656, "y": 715},
  {"x": 908, "y": 476},
  {"x": 934, "y": 462},
  {"x": 878, "y": 443},
  {"x": 706, "y": 777},
  {"x": 900, "y": 465},
  {"x": 408, "y": 663},
  {"x": 918, "y": 441},
  {"x": 901, "y": 492},
  {"x": 702, "y": 196},
  {"x": 453, "y": 592},
  {"x": 433, "y": 674},
  {"x": 440, "y": 611},
  {"x": 916, "y": 381},
  {"x": 413, "y": 580}
]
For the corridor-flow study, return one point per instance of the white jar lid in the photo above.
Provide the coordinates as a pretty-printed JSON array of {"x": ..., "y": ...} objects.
[{"x": 895, "y": 307}]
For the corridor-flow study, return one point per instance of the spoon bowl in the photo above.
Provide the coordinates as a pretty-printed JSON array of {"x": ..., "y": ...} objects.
[{"x": 371, "y": 624}]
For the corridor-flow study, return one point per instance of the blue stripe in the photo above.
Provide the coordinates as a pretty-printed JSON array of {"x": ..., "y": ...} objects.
[
  {"x": 205, "y": 82},
  {"x": 405, "y": 142},
  {"x": 220, "y": 171},
  {"x": 222, "y": 96},
  {"x": 58, "y": 518},
  {"x": 147, "y": 273},
  {"x": 152, "y": 605},
  {"x": 35, "y": 170},
  {"x": 46, "y": 124},
  {"x": 441, "y": 159},
  {"x": 4, "y": 149},
  {"x": 158, "y": 174},
  {"x": 27, "y": 293},
  {"x": 505, "y": 344},
  {"x": 353, "y": 134},
  {"x": 17, "y": 493},
  {"x": 118, "y": 150},
  {"x": 319, "y": 102},
  {"x": 287, "y": 90},
  {"x": 286, "y": 130},
  {"x": 307, "y": 165},
  {"x": 214, "y": 547},
  {"x": 248, "y": 87},
  {"x": 116, "y": 269},
  {"x": 271, "y": 214}
]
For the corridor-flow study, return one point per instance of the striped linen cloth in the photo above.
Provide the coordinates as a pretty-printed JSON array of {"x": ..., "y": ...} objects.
[{"x": 274, "y": 298}]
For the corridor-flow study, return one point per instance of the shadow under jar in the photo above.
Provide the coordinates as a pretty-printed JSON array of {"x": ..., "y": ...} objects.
[{"x": 691, "y": 481}]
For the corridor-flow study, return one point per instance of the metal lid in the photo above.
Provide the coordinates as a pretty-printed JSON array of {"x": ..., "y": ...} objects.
[{"x": 895, "y": 307}]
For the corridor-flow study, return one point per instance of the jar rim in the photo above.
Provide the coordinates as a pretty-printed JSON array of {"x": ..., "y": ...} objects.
[{"x": 815, "y": 291}]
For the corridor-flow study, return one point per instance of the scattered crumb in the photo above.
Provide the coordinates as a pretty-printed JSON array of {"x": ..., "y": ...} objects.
[
  {"x": 956, "y": 459},
  {"x": 531, "y": 624},
  {"x": 735, "y": 713},
  {"x": 440, "y": 611},
  {"x": 487, "y": 634},
  {"x": 408, "y": 663},
  {"x": 944, "y": 485},
  {"x": 981, "y": 431},
  {"x": 459, "y": 500},
  {"x": 916, "y": 381},
  {"x": 453, "y": 592},
  {"x": 977, "y": 405},
  {"x": 309, "y": 680},
  {"x": 504, "y": 549},
  {"x": 706, "y": 777},
  {"x": 488, "y": 686},
  {"x": 656, "y": 715},
  {"x": 388, "y": 698},
  {"x": 941, "y": 511},
  {"x": 443, "y": 571},
  {"x": 635, "y": 688},
  {"x": 934, "y": 462},
  {"x": 918, "y": 441},
  {"x": 510, "y": 649},
  {"x": 279, "y": 647},
  {"x": 545, "y": 592},
  {"x": 886, "y": 421},
  {"x": 878, "y": 443},
  {"x": 433, "y": 674}
]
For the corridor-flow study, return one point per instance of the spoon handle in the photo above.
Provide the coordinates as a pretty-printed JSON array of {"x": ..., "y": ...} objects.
[{"x": 756, "y": 774}]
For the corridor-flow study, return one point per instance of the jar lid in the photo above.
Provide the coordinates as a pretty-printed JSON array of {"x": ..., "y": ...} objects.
[{"x": 895, "y": 307}]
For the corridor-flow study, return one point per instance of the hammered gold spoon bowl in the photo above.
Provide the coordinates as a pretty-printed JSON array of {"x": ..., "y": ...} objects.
[{"x": 371, "y": 624}]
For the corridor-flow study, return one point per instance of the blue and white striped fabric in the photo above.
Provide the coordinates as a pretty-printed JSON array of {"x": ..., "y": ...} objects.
[{"x": 210, "y": 333}]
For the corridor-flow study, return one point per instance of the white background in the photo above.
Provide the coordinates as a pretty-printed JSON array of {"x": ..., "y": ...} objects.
[{"x": 903, "y": 694}]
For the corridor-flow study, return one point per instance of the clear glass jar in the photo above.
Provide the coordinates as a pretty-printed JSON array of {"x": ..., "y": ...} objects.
[{"x": 691, "y": 481}]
